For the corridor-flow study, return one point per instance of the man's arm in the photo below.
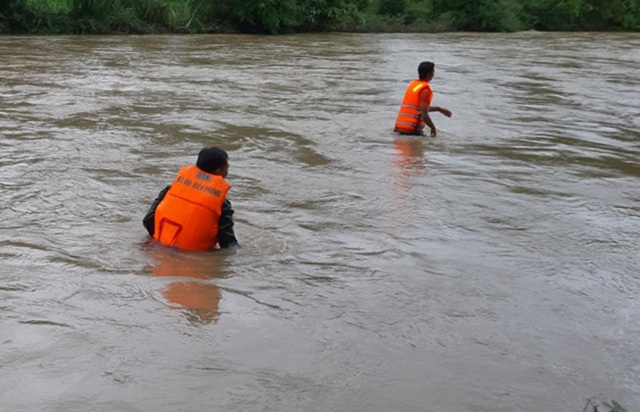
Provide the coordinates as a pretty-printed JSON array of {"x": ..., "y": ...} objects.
[
  {"x": 425, "y": 118},
  {"x": 442, "y": 110},
  {"x": 149, "y": 219},
  {"x": 226, "y": 236},
  {"x": 425, "y": 108}
]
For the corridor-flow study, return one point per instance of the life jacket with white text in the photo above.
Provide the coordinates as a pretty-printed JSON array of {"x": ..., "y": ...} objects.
[{"x": 188, "y": 216}]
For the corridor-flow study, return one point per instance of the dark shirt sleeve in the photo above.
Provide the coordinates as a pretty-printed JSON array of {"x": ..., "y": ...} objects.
[
  {"x": 226, "y": 236},
  {"x": 149, "y": 219}
]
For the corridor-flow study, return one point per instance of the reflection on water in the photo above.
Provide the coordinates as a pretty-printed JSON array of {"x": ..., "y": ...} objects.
[
  {"x": 194, "y": 293},
  {"x": 410, "y": 152},
  {"x": 199, "y": 301}
]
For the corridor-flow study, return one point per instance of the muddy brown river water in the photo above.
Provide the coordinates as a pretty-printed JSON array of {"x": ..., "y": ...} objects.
[{"x": 494, "y": 268}]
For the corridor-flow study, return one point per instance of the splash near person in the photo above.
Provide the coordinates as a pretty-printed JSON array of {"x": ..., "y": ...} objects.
[
  {"x": 416, "y": 105},
  {"x": 193, "y": 213}
]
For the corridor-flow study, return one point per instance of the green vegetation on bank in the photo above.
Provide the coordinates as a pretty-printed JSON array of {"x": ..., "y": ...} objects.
[{"x": 295, "y": 16}]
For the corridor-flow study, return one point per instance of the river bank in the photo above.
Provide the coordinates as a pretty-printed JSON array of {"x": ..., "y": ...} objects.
[{"x": 56, "y": 17}]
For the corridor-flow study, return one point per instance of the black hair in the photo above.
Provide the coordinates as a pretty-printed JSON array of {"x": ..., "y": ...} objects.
[
  {"x": 211, "y": 159},
  {"x": 424, "y": 69}
]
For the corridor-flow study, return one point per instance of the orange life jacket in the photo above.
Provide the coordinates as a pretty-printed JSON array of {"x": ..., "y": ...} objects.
[
  {"x": 187, "y": 217},
  {"x": 409, "y": 120}
]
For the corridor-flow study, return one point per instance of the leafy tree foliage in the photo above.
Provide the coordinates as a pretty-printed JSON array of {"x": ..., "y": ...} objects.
[
  {"x": 284, "y": 16},
  {"x": 478, "y": 15},
  {"x": 289, "y": 16},
  {"x": 557, "y": 14},
  {"x": 13, "y": 15},
  {"x": 621, "y": 14}
]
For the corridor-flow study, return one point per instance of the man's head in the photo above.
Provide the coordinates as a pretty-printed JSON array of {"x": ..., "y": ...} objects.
[
  {"x": 426, "y": 70},
  {"x": 213, "y": 160}
]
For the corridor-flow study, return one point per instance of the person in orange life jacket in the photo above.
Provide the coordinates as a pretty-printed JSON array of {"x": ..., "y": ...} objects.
[
  {"x": 193, "y": 213},
  {"x": 416, "y": 105}
]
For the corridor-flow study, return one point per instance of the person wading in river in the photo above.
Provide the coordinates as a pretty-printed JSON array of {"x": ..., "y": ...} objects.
[
  {"x": 416, "y": 105},
  {"x": 193, "y": 213}
]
